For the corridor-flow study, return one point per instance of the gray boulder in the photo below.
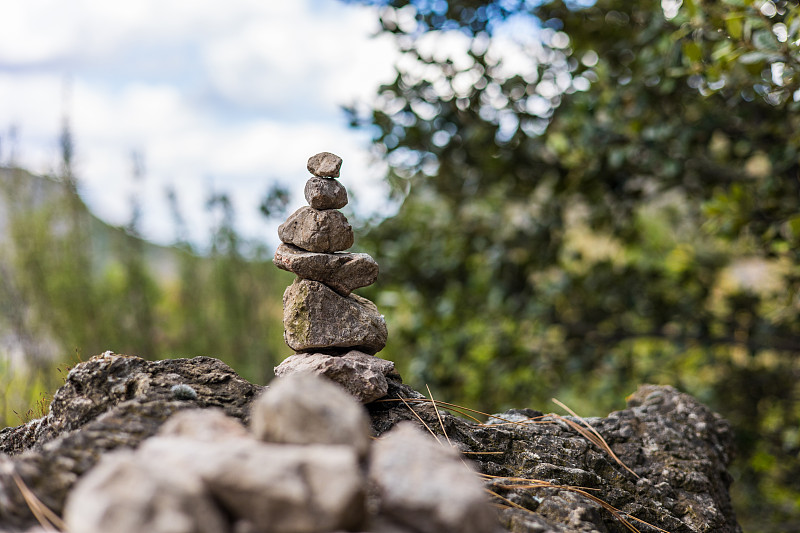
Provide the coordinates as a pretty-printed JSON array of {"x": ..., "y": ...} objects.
[
  {"x": 316, "y": 318},
  {"x": 325, "y": 193},
  {"x": 360, "y": 374},
  {"x": 275, "y": 488},
  {"x": 342, "y": 272},
  {"x": 679, "y": 449},
  {"x": 305, "y": 408},
  {"x": 109, "y": 402},
  {"x": 324, "y": 165},
  {"x": 317, "y": 231},
  {"x": 426, "y": 486},
  {"x": 126, "y": 494}
]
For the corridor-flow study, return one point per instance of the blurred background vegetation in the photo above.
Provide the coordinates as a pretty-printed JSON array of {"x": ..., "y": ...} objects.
[{"x": 628, "y": 212}]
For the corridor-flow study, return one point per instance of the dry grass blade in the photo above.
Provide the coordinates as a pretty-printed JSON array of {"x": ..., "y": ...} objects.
[
  {"x": 587, "y": 432},
  {"x": 438, "y": 415},
  {"x": 483, "y": 453},
  {"x": 592, "y": 435},
  {"x": 522, "y": 483},
  {"x": 506, "y": 500},
  {"x": 465, "y": 411},
  {"x": 49, "y": 520},
  {"x": 422, "y": 421}
]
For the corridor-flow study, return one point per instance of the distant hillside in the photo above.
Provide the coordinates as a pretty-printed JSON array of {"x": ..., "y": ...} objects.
[
  {"x": 21, "y": 190},
  {"x": 72, "y": 286}
]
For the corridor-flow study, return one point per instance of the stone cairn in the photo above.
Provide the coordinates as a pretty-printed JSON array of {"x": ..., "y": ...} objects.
[{"x": 333, "y": 332}]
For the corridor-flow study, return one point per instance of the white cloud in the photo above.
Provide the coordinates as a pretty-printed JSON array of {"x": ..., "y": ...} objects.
[{"x": 232, "y": 96}]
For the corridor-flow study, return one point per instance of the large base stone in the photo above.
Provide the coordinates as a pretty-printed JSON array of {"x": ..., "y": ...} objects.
[
  {"x": 362, "y": 375},
  {"x": 316, "y": 318},
  {"x": 342, "y": 272}
]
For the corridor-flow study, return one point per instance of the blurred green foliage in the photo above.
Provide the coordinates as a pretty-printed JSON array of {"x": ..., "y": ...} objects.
[
  {"x": 620, "y": 205},
  {"x": 73, "y": 287}
]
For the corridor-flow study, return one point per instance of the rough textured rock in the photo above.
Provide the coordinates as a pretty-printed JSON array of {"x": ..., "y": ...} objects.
[
  {"x": 317, "y": 231},
  {"x": 360, "y": 374},
  {"x": 342, "y": 272},
  {"x": 276, "y": 488},
  {"x": 677, "y": 447},
  {"x": 324, "y": 165},
  {"x": 308, "y": 409},
  {"x": 316, "y": 318},
  {"x": 126, "y": 495},
  {"x": 424, "y": 485},
  {"x": 325, "y": 193},
  {"x": 105, "y": 381},
  {"x": 109, "y": 402}
]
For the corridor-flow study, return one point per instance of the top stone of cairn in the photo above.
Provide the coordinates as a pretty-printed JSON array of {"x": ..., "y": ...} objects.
[{"x": 324, "y": 165}]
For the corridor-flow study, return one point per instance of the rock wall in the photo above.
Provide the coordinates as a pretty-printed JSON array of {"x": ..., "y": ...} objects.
[{"x": 541, "y": 474}]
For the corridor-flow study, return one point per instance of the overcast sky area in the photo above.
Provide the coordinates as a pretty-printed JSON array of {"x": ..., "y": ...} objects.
[{"x": 227, "y": 97}]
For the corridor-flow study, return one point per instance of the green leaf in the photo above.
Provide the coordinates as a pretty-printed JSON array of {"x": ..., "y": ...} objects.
[
  {"x": 792, "y": 227},
  {"x": 751, "y": 58},
  {"x": 734, "y": 24},
  {"x": 765, "y": 40},
  {"x": 692, "y": 50}
]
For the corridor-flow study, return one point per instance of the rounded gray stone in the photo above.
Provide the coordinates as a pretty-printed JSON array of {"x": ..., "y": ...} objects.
[
  {"x": 427, "y": 487},
  {"x": 324, "y": 165},
  {"x": 325, "y": 193},
  {"x": 279, "y": 488},
  {"x": 125, "y": 493},
  {"x": 317, "y": 230},
  {"x": 305, "y": 408}
]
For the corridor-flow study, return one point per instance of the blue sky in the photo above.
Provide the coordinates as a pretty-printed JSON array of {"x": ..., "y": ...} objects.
[{"x": 226, "y": 96}]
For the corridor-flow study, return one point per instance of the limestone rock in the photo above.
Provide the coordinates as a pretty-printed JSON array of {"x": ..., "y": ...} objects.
[
  {"x": 305, "y": 408},
  {"x": 110, "y": 401},
  {"x": 427, "y": 487},
  {"x": 324, "y": 165},
  {"x": 125, "y": 494},
  {"x": 679, "y": 449},
  {"x": 342, "y": 272},
  {"x": 107, "y": 380},
  {"x": 316, "y": 318},
  {"x": 325, "y": 193},
  {"x": 362, "y": 375},
  {"x": 317, "y": 231},
  {"x": 276, "y": 488}
]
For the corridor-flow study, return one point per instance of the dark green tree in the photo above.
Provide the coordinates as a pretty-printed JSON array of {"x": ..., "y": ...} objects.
[{"x": 625, "y": 207}]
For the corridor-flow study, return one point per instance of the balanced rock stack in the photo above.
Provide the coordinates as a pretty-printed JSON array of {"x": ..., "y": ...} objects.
[{"x": 334, "y": 332}]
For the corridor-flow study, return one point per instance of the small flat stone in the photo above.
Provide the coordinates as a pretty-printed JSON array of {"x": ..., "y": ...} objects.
[
  {"x": 362, "y": 375},
  {"x": 342, "y": 272},
  {"x": 324, "y": 165},
  {"x": 317, "y": 319},
  {"x": 325, "y": 193},
  {"x": 317, "y": 231}
]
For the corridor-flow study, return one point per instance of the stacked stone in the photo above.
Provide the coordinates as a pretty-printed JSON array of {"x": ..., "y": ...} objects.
[{"x": 333, "y": 331}]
